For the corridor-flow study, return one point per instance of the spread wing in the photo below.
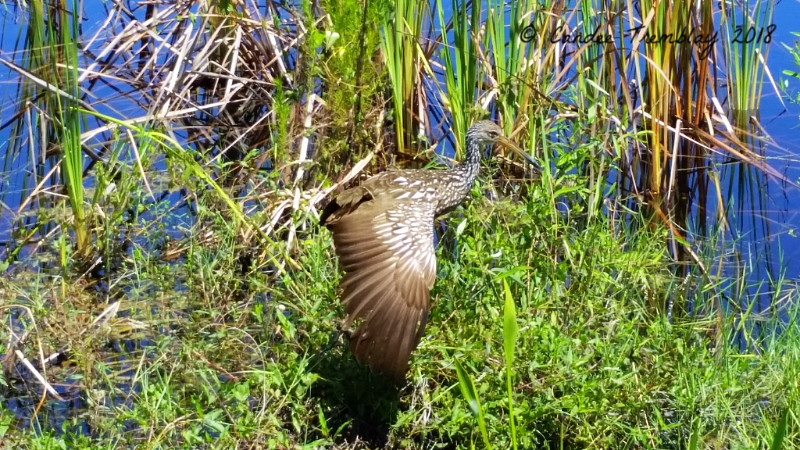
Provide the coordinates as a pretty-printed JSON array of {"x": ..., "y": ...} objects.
[{"x": 385, "y": 246}]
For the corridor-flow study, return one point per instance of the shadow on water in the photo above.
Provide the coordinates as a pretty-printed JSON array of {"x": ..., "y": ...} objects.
[
  {"x": 91, "y": 365},
  {"x": 69, "y": 416}
]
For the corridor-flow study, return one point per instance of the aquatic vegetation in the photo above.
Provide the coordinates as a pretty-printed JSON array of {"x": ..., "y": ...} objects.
[{"x": 165, "y": 281}]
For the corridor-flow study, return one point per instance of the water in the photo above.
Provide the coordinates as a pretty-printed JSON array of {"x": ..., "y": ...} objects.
[{"x": 769, "y": 231}]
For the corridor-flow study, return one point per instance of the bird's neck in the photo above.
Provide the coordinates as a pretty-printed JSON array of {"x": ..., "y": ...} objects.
[
  {"x": 471, "y": 165},
  {"x": 461, "y": 178}
]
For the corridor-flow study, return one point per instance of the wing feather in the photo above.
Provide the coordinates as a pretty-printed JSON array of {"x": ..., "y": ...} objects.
[{"x": 386, "y": 249}]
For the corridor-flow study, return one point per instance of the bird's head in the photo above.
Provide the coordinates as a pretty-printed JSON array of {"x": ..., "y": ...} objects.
[{"x": 487, "y": 132}]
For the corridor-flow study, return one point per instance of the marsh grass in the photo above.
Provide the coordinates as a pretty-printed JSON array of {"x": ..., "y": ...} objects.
[{"x": 231, "y": 360}]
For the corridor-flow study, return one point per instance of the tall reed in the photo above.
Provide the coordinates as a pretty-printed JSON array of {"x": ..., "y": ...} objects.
[{"x": 401, "y": 48}]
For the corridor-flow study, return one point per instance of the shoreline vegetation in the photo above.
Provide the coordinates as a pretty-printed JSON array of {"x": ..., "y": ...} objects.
[{"x": 166, "y": 283}]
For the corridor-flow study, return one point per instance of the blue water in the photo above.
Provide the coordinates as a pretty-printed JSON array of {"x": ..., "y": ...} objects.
[{"x": 781, "y": 120}]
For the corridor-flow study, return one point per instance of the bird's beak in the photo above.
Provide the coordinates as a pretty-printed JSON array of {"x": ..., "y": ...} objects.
[{"x": 509, "y": 144}]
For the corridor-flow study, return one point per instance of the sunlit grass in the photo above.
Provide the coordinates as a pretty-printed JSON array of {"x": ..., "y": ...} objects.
[{"x": 552, "y": 324}]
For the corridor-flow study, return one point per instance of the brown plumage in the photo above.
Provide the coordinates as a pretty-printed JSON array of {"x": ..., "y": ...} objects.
[{"x": 383, "y": 234}]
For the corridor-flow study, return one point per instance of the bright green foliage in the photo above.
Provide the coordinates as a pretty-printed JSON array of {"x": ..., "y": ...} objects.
[{"x": 570, "y": 349}]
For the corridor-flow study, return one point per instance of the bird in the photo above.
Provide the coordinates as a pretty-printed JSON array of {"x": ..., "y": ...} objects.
[{"x": 383, "y": 236}]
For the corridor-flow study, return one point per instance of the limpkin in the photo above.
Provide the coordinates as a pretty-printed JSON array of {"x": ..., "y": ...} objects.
[{"x": 383, "y": 235}]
